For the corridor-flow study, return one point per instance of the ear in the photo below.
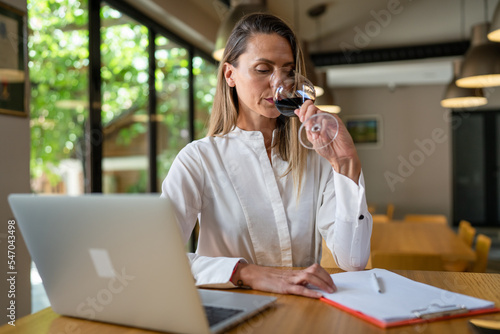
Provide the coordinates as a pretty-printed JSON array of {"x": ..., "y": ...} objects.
[{"x": 228, "y": 74}]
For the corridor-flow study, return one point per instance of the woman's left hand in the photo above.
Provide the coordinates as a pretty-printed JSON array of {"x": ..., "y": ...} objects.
[{"x": 341, "y": 153}]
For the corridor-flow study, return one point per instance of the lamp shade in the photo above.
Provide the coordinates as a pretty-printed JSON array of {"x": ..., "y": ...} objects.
[
  {"x": 458, "y": 97},
  {"x": 494, "y": 34},
  {"x": 232, "y": 17},
  {"x": 481, "y": 66}
]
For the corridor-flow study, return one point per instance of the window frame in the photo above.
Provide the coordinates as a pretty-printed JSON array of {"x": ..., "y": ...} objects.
[{"x": 94, "y": 134}]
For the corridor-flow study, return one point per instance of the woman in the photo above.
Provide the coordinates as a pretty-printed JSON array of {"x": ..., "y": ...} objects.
[{"x": 262, "y": 200}]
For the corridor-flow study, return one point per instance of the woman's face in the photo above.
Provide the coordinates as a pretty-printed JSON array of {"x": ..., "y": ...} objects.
[{"x": 265, "y": 54}]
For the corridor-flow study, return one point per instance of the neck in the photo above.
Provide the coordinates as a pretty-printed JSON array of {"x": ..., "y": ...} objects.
[{"x": 260, "y": 123}]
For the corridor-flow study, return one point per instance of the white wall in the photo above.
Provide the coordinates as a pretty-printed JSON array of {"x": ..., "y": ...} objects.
[
  {"x": 14, "y": 177},
  {"x": 410, "y": 115}
]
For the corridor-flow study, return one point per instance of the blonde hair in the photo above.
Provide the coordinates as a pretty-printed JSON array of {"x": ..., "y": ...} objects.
[{"x": 225, "y": 108}]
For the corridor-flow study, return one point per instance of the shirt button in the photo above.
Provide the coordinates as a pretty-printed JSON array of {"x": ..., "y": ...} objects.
[{"x": 361, "y": 217}]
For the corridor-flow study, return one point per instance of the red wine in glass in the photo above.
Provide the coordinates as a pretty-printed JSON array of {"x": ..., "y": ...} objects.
[
  {"x": 287, "y": 106},
  {"x": 291, "y": 91}
]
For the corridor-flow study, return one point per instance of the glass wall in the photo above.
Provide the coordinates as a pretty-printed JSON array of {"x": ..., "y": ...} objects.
[
  {"x": 59, "y": 73},
  {"x": 468, "y": 165},
  {"x": 205, "y": 81},
  {"x": 58, "y": 51},
  {"x": 125, "y": 90},
  {"x": 58, "y": 47},
  {"x": 172, "y": 99},
  {"x": 497, "y": 166},
  {"x": 58, "y": 64},
  {"x": 476, "y": 182}
]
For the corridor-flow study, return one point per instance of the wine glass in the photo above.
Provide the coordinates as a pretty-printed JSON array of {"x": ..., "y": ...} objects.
[{"x": 291, "y": 90}]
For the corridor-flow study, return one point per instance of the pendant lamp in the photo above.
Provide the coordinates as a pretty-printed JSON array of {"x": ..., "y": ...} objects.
[
  {"x": 481, "y": 66},
  {"x": 238, "y": 9},
  {"x": 459, "y": 98},
  {"x": 494, "y": 34},
  {"x": 326, "y": 102}
]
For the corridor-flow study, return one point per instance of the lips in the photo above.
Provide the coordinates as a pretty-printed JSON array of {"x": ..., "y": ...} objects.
[{"x": 270, "y": 100}]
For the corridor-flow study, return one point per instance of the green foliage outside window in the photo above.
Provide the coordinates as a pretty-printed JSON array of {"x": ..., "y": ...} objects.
[{"x": 58, "y": 65}]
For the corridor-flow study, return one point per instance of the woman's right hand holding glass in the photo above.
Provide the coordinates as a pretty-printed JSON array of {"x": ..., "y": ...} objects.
[{"x": 341, "y": 152}]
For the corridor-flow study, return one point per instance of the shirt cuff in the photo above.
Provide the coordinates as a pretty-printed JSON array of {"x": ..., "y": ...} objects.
[
  {"x": 214, "y": 272},
  {"x": 351, "y": 201}
]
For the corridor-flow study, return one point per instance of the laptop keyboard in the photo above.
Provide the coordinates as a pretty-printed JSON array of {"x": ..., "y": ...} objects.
[{"x": 218, "y": 314}]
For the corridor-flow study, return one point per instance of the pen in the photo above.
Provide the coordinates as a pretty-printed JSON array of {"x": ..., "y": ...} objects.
[{"x": 376, "y": 283}]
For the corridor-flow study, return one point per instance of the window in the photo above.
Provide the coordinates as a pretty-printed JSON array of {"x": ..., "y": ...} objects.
[
  {"x": 58, "y": 64},
  {"x": 205, "y": 81},
  {"x": 135, "y": 158},
  {"x": 154, "y": 96},
  {"x": 172, "y": 102},
  {"x": 476, "y": 167},
  {"x": 124, "y": 113}
]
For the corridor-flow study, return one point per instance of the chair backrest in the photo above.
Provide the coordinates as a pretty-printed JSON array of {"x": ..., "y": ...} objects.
[
  {"x": 426, "y": 218},
  {"x": 378, "y": 218},
  {"x": 466, "y": 232},
  {"x": 407, "y": 261},
  {"x": 483, "y": 245},
  {"x": 390, "y": 211}
]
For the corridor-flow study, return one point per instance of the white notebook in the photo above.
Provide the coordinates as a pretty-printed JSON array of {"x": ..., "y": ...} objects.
[{"x": 400, "y": 300}]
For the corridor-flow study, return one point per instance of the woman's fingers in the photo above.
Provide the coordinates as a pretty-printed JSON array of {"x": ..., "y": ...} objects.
[
  {"x": 306, "y": 110},
  {"x": 288, "y": 281},
  {"x": 317, "y": 276},
  {"x": 303, "y": 291}
]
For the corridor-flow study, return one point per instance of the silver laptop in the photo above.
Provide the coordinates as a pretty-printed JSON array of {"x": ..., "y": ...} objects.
[{"x": 121, "y": 259}]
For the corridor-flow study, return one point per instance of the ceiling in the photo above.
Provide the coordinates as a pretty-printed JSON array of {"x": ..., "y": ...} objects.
[{"x": 362, "y": 24}]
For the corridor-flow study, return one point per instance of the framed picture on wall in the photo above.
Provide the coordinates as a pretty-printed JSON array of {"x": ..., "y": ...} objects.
[
  {"x": 12, "y": 55},
  {"x": 365, "y": 130}
]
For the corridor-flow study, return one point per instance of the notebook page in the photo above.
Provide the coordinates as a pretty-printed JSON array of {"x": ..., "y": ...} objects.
[{"x": 399, "y": 298}]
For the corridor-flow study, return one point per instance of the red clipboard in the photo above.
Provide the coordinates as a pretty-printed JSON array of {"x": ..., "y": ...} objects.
[{"x": 445, "y": 315}]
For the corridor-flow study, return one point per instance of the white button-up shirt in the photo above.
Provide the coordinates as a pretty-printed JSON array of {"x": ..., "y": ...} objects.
[{"x": 248, "y": 211}]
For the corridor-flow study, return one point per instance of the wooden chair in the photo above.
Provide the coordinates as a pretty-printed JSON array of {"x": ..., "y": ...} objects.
[
  {"x": 378, "y": 218},
  {"x": 426, "y": 218},
  {"x": 407, "y": 261},
  {"x": 466, "y": 232},
  {"x": 327, "y": 260},
  {"x": 483, "y": 245},
  {"x": 390, "y": 211}
]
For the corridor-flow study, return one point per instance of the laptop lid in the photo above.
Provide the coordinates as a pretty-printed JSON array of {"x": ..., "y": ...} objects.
[{"x": 118, "y": 259}]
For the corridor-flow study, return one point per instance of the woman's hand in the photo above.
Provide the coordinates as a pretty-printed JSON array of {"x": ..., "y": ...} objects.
[
  {"x": 341, "y": 153},
  {"x": 284, "y": 281}
]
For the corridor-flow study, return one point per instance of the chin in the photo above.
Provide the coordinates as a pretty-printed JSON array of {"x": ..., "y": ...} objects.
[{"x": 271, "y": 113}]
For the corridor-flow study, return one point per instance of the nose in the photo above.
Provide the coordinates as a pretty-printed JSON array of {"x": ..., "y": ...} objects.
[
  {"x": 275, "y": 79},
  {"x": 278, "y": 76}
]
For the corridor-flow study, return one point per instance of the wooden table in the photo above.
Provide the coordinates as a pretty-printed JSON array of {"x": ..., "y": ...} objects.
[
  {"x": 430, "y": 238},
  {"x": 294, "y": 314}
]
